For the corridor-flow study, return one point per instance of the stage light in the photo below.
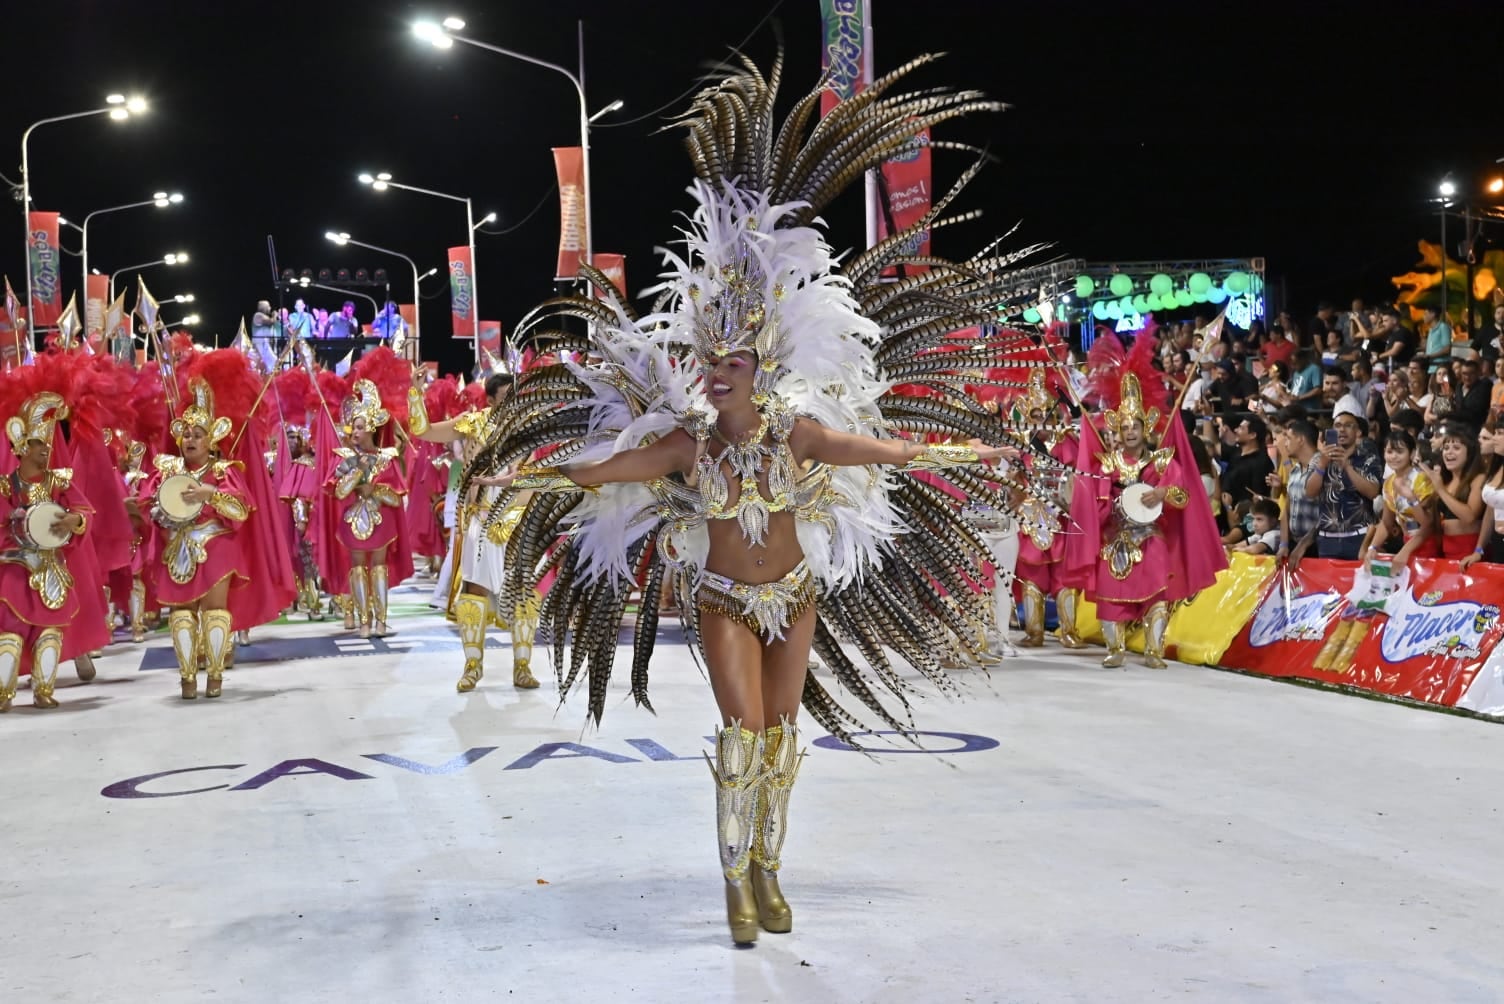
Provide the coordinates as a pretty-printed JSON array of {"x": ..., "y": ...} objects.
[
  {"x": 343, "y": 275},
  {"x": 325, "y": 275},
  {"x": 361, "y": 275},
  {"x": 288, "y": 275},
  {"x": 1447, "y": 189},
  {"x": 379, "y": 276},
  {"x": 307, "y": 273},
  {"x": 1496, "y": 185}
]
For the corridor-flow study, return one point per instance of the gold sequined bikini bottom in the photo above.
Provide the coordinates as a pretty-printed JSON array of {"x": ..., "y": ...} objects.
[{"x": 764, "y": 608}]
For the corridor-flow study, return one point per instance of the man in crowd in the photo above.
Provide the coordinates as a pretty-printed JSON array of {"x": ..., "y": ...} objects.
[
  {"x": 1248, "y": 463},
  {"x": 344, "y": 324},
  {"x": 1302, "y": 511},
  {"x": 264, "y": 335},
  {"x": 1470, "y": 403},
  {"x": 1401, "y": 341},
  {"x": 1232, "y": 389},
  {"x": 1362, "y": 387},
  {"x": 1335, "y": 393},
  {"x": 1278, "y": 349},
  {"x": 1438, "y": 339},
  {"x": 1347, "y": 477}
]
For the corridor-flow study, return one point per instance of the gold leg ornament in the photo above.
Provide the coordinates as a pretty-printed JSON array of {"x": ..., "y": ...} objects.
[
  {"x": 1154, "y": 635},
  {"x": 471, "y": 613},
  {"x": 46, "y": 653},
  {"x": 1033, "y": 617},
  {"x": 781, "y": 757},
  {"x": 738, "y": 770},
  {"x": 138, "y": 611},
  {"x": 10, "y": 668},
  {"x": 1065, "y": 610},
  {"x": 379, "y": 595},
  {"x": 217, "y": 637},
  {"x": 360, "y": 600},
  {"x": 346, "y": 607},
  {"x": 1116, "y": 635},
  {"x": 524, "y": 628},
  {"x": 182, "y": 625}
]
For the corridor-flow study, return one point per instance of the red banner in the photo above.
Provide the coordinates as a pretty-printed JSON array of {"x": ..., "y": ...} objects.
[
  {"x": 10, "y": 341},
  {"x": 490, "y": 337},
  {"x": 843, "y": 27},
  {"x": 615, "y": 268},
  {"x": 570, "y": 165},
  {"x": 1426, "y": 645},
  {"x": 96, "y": 302},
  {"x": 461, "y": 293},
  {"x": 906, "y": 186},
  {"x": 46, "y": 269}
]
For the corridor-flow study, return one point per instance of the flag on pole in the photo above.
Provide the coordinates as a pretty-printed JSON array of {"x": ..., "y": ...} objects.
[
  {"x": 343, "y": 366},
  {"x": 68, "y": 324},
  {"x": 11, "y": 327},
  {"x": 114, "y": 317},
  {"x": 146, "y": 305},
  {"x": 1213, "y": 331}
]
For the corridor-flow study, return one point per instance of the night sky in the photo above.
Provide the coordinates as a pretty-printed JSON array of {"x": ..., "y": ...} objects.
[{"x": 1312, "y": 135}]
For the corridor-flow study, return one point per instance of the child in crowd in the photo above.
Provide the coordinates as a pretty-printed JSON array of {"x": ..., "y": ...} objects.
[{"x": 1265, "y": 536}]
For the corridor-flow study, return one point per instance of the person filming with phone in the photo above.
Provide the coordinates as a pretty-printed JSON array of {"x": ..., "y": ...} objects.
[{"x": 1346, "y": 477}]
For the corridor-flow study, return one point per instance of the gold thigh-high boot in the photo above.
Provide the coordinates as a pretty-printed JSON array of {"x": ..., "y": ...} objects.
[
  {"x": 1065, "y": 611},
  {"x": 1033, "y": 617},
  {"x": 524, "y": 628},
  {"x": 781, "y": 756},
  {"x": 1116, "y": 635},
  {"x": 379, "y": 595},
  {"x": 1155, "y": 623},
  {"x": 217, "y": 638},
  {"x": 10, "y": 668},
  {"x": 738, "y": 770},
  {"x": 138, "y": 611},
  {"x": 182, "y": 625},
  {"x": 46, "y": 653},
  {"x": 471, "y": 612},
  {"x": 360, "y": 599}
]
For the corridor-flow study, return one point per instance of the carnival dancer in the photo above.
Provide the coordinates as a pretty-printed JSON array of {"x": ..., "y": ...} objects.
[
  {"x": 297, "y": 482},
  {"x": 43, "y": 515},
  {"x": 366, "y": 489},
  {"x": 428, "y": 466},
  {"x": 213, "y": 553},
  {"x": 481, "y": 552},
  {"x": 1040, "y": 415},
  {"x": 741, "y": 438},
  {"x": 1134, "y": 557}
]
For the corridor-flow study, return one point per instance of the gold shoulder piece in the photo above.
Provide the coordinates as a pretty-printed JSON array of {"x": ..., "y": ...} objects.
[
  {"x": 167, "y": 464},
  {"x": 1162, "y": 459},
  {"x": 62, "y": 477}
]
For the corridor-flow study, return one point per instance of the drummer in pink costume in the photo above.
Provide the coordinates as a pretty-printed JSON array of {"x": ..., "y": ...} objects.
[
  {"x": 367, "y": 492},
  {"x": 38, "y": 596},
  {"x": 195, "y": 556}
]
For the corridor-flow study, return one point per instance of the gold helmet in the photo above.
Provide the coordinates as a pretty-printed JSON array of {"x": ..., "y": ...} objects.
[
  {"x": 1131, "y": 409},
  {"x": 36, "y": 420},
  {"x": 200, "y": 415},
  {"x": 364, "y": 402}
]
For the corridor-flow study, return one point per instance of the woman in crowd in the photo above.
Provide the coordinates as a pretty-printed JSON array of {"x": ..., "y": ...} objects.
[
  {"x": 1459, "y": 491},
  {"x": 1490, "y": 544},
  {"x": 1409, "y": 503}
]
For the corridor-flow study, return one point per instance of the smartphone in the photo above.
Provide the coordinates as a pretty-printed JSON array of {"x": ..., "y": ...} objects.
[{"x": 1329, "y": 437}]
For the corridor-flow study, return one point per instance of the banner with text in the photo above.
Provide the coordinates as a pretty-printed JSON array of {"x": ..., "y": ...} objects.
[
  {"x": 569, "y": 162},
  {"x": 843, "y": 27},
  {"x": 461, "y": 293},
  {"x": 490, "y": 338},
  {"x": 906, "y": 195},
  {"x": 46, "y": 269},
  {"x": 1426, "y": 644},
  {"x": 615, "y": 268},
  {"x": 96, "y": 303}
]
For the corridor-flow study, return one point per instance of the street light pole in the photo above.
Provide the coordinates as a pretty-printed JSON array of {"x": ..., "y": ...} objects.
[
  {"x": 344, "y": 238},
  {"x": 159, "y": 200},
  {"x": 177, "y": 258},
  {"x": 383, "y": 181},
  {"x": 116, "y": 107},
  {"x": 1447, "y": 190}
]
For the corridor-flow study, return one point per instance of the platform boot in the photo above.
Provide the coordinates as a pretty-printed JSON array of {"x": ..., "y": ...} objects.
[
  {"x": 524, "y": 629},
  {"x": 379, "y": 596},
  {"x": 182, "y": 625},
  {"x": 1155, "y": 623},
  {"x": 1115, "y": 633},
  {"x": 360, "y": 600},
  {"x": 46, "y": 653},
  {"x": 1033, "y": 617},
  {"x": 10, "y": 668},
  {"x": 217, "y": 638},
  {"x": 781, "y": 758},
  {"x": 1065, "y": 610},
  {"x": 738, "y": 771},
  {"x": 471, "y": 612}
]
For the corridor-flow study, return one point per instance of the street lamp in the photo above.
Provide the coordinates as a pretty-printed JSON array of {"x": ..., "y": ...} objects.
[
  {"x": 443, "y": 36},
  {"x": 118, "y": 107},
  {"x": 1447, "y": 190},
  {"x": 381, "y": 182},
  {"x": 184, "y": 322},
  {"x": 175, "y": 258},
  {"x": 159, "y": 200},
  {"x": 343, "y": 238}
]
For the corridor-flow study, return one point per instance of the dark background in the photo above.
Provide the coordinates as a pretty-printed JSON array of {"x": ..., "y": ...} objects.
[{"x": 1313, "y": 135}]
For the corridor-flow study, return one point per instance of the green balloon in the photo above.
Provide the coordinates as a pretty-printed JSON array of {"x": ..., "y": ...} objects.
[
  {"x": 1031, "y": 316},
  {"x": 1183, "y": 297},
  {"x": 1236, "y": 282},
  {"x": 1155, "y": 303},
  {"x": 1115, "y": 311},
  {"x": 1200, "y": 282},
  {"x": 1202, "y": 296},
  {"x": 1161, "y": 284},
  {"x": 1084, "y": 287},
  {"x": 1126, "y": 305},
  {"x": 1217, "y": 294},
  {"x": 1140, "y": 304},
  {"x": 1099, "y": 310},
  {"x": 1120, "y": 285}
]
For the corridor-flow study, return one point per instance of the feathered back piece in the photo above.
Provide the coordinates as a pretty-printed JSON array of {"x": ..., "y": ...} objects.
[
  {"x": 148, "y": 404},
  {"x": 442, "y": 399},
  {"x": 219, "y": 390},
  {"x": 294, "y": 390},
  {"x": 57, "y": 386},
  {"x": 1126, "y": 385},
  {"x": 391, "y": 375}
]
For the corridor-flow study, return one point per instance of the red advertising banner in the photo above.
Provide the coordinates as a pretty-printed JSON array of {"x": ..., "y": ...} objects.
[
  {"x": 843, "y": 27},
  {"x": 615, "y": 268},
  {"x": 490, "y": 337},
  {"x": 46, "y": 269},
  {"x": 569, "y": 162},
  {"x": 906, "y": 185},
  {"x": 1426, "y": 645},
  {"x": 96, "y": 303},
  {"x": 461, "y": 293}
]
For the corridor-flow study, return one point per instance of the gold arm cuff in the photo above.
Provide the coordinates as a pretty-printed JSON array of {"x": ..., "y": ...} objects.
[
  {"x": 386, "y": 495},
  {"x": 1176, "y": 496},
  {"x": 546, "y": 479},
  {"x": 229, "y": 506},
  {"x": 938, "y": 456},
  {"x": 83, "y": 523},
  {"x": 417, "y": 413}
]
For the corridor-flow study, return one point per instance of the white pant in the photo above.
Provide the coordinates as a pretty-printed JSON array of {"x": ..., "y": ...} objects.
[{"x": 1004, "y": 547}]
